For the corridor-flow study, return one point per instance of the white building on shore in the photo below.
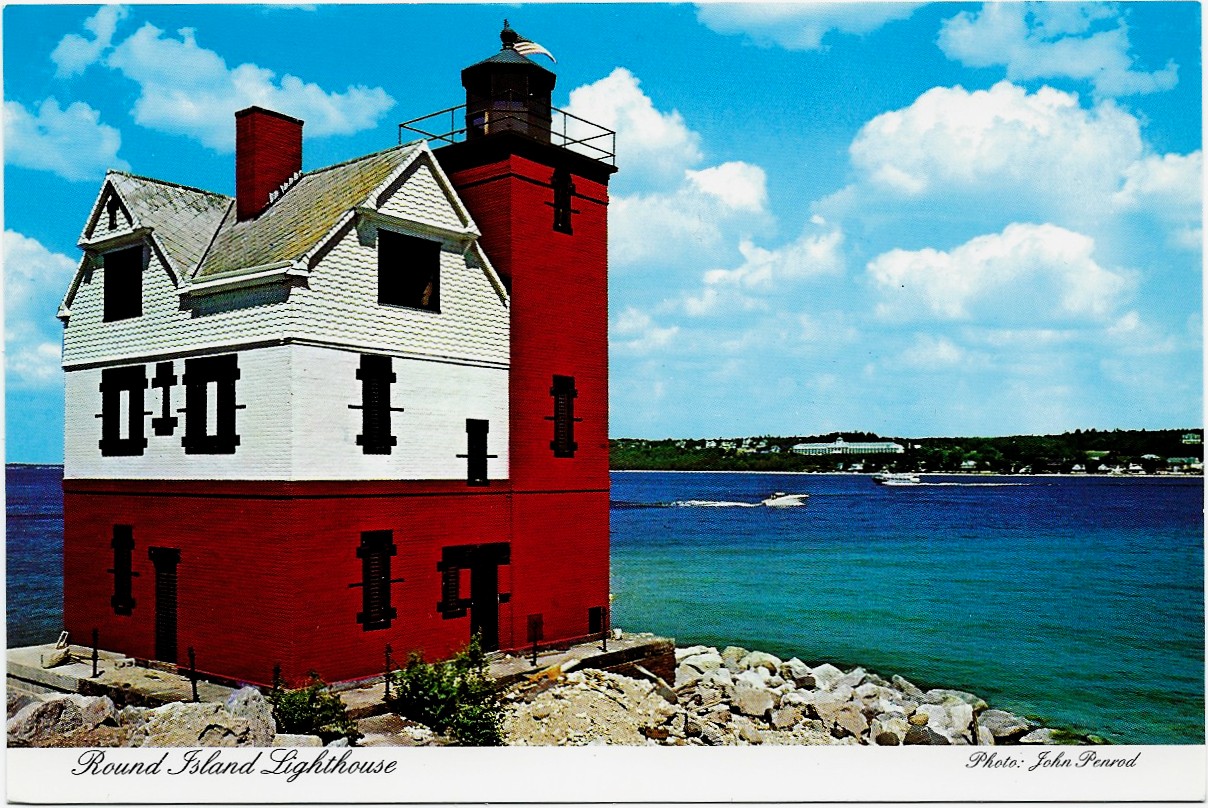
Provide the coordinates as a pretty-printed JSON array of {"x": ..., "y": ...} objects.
[{"x": 841, "y": 447}]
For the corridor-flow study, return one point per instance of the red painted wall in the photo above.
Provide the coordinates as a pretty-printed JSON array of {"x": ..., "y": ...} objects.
[{"x": 264, "y": 580}]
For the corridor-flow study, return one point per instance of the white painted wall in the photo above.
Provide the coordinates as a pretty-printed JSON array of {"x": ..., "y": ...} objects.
[{"x": 297, "y": 423}]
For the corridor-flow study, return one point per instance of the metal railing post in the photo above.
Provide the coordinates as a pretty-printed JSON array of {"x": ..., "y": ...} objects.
[
  {"x": 96, "y": 654},
  {"x": 193, "y": 672}
]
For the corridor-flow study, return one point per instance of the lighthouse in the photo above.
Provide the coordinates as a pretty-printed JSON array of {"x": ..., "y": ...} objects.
[{"x": 354, "y": 407}]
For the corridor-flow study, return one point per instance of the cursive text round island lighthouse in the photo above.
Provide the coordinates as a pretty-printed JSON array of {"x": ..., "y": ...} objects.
[{"x": 357, "y": 406}]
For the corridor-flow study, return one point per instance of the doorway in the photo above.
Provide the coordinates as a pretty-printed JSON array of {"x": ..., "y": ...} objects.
[
  {"x": 478, "y": 566},
  {"x": 165, "y": 560}
]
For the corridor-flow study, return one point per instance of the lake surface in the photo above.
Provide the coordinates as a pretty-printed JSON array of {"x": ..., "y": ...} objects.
[{"x": 1076, "y": 600}]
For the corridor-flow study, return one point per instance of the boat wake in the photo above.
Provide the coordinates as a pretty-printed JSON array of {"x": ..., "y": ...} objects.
[
  {"x": 973, "y": 485},
  {"x": 709, "y": 503}
]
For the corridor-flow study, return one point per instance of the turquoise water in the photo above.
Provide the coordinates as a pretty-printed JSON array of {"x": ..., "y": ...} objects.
[{"x": 1079, "y": 601}]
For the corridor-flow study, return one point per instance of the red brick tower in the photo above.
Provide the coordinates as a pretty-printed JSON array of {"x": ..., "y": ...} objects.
[{"x": 540, "y": 197}]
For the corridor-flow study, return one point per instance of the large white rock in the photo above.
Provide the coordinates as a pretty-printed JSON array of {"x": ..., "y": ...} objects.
[
  {"x": 888, "y": 729},
  {"x": 907, "y": 687},
  {"x": 686, "y": 676},
  {"x": 721, "y": 677},
  {"x": 683, "y": 653},
  {"x": 760, "y": 659},
  {"x": 42, "y": 721},
  {"x": 731, "y": 655},
  {"x": 854, "y": 678},
  {"x": 705, "y": 661},
  {"x": 954, "y": 722},
  {"x": 842, "y": 719},
  {"x": 951, "y": 697},
  {"x": 753, "y": 700},
  {"x": 826, "y": 676},
  {"x": 1005, "y": 726},
  {"x": 797, "y": 672}
]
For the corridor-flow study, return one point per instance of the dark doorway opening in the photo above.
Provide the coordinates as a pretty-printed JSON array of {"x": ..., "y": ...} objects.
[
  {"x": 478, "y": 566},
  {"x": 165, "y": 560}
]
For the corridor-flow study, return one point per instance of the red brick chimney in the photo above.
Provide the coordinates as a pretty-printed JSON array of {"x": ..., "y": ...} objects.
[{"x": 268, "y": 153}]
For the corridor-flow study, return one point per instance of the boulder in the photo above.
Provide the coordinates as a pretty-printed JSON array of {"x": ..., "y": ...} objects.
[
  {"x": 41, "y": 721},
  {"x": 55, "y": 657},
  {"x": 760, "y": 659},
  {"x": 692, "y": 727},
  {"x": 1044, "y": 735},
  {"x": 683, "y": 653},
  {"x": 18, "y": 700},
  {"x": 984, "y": 736},
  {"x": 686, "y": 676},
  {"x": 839, "y": 695},
  {"x": 1004, "y": 726},
  {"x": 285, "y": 739},
  {"x": 842, "y": 719},
  {"x": 785, "y": 717},
  {"x": 706, "y": 661},
  {"x": 754, "y": 677},
  {"x": 953, "y": 723},
  {"x": 907, "y": 687},
  {"x": 873, "y": 699},
  {"x": 745, "y": 730},
  {"x": 796, "y": 699},
  {"x": 877, "y": 680},
  {"x": 752, "y": 699},
  {"x": 924, "y": 736},
  {"x": 250, "y": 704},
  {"x": 826, "y": 676},
  {"x": 187, "y": 724},
  {"x": 720, "y": 678},
  {"x": 731, "y": 655},
  {"x": 951, "y": 697},
  {"x": 797, "y": 672},
  {"x": 888, "y": 729},
  {"x": 713, "y": 735},
  {"x": 854, "y": 678}
]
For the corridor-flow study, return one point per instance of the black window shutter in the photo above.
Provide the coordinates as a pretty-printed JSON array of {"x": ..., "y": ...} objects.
[
  {"x": 476, "y": 451},
  {"x": 564, "y": 394},
  {"x": 377, "y": 547},
  {"x": 118, "y": 439},
  {"x": 165, "y": 380},
  {"x": 376, "y": 375},
  {"x": 123, "y": 290},
  {"x": 204, "y": 377},
  {"x": 123, "y": 573}
]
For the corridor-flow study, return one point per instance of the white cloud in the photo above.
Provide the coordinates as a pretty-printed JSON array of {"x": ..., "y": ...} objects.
[
  {"x": 799, "y": 26},
  {"x": 1176, "y": 179},
  {"x": 1002, "y": 139},
  {"x": 71, "y": 142},
  {"x": 1053, "y": 40},
  {"x": 736, "y": 185},
  {"x": 34, "y": 282},
  {"x": 929, "y": 352},
  {"x": 650, "y": 143},
  {"x": 189, "y": 90},
  {"x": 74, "y": 53},
  {"x": 662, "y": 204},
  {"x": 1028, "y": 274},
  {"x": 634, "y": 331}
]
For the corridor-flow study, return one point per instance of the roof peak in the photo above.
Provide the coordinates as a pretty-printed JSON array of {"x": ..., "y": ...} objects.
[{"x": 170, "y": 184}]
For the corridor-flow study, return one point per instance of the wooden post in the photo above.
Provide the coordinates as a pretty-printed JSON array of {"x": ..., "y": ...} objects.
[{"x": 193, "y": 672}]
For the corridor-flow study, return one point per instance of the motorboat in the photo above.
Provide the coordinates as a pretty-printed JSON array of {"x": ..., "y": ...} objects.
[
  {"x": 896, "y": 478},
  {"x": 782, "y": 500}
]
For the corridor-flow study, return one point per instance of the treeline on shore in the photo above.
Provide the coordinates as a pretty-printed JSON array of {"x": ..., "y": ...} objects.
[{"x": 1090, "y": 451}]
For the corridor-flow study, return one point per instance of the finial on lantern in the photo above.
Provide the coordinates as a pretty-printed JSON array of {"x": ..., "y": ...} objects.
[{"x": 508, "y": 37}]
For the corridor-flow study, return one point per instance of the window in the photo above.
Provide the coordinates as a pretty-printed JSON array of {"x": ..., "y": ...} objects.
[
  {"x": 210, "y": 404},
  {"x": 564, "y": 192},
  {"x": 165, "y": 380},
  {"x": 476, "y": 451},
  {"x": 564, "y": 393},
  {"x": 123, "y": 573},
  {"x": 122, "y": 411},
  {"x": 408, "y": 271},
  {"x": 123, "y": 283},
  {"x": 377, "y": 546},
  {"x": 376, "y": 375}
]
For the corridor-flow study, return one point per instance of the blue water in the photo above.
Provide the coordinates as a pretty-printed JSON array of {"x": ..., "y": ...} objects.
[
  {"x": 1076, "y": 600},
  {"x": 1079, "y": 601}
]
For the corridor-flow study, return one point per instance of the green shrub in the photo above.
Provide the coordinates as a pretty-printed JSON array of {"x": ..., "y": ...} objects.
[
  {"x": 312, "y": 710},
  {"x": 457, "y": 696}
]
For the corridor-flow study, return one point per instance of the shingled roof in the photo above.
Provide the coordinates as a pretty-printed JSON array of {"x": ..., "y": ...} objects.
[
  {"x": 184, "y": 219},
  {"x": 302, "y": 216}
]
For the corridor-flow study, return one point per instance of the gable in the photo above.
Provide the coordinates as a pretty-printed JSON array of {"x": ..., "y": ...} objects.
[
  {"x": 417, "y": 195},
  {"x": 110, "y": 215}
]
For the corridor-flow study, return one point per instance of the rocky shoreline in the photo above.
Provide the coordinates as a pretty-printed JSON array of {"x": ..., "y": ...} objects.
[
  {"x": 731, "y": 697},
  {"x": 739, "y": 697}
]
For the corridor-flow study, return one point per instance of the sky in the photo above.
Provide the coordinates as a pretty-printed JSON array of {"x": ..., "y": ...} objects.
[{"x": 915, "y": 220}]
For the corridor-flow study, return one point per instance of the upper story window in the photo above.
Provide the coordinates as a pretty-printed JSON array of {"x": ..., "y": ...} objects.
[
  {"x": 564, "y": 394},
  {"x": 123, "y": 283},
  {"x": 564, "y": 192},
  {"x": 122, "y": 411},
  {"x": 408, "y": 271},
  {"x": 210, "y": 404},
  {"x": 476, "y": 451}
]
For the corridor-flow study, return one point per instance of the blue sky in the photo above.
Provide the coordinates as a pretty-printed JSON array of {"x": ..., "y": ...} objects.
[{"x": 947, "y": 219}]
